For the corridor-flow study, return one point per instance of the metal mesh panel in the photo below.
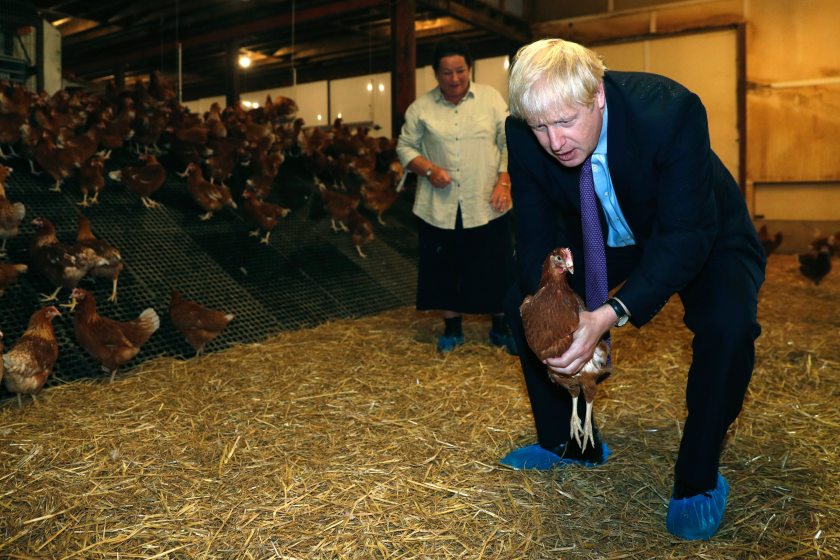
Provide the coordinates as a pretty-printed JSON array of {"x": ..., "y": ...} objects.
[{"x": 306, "y": 275}]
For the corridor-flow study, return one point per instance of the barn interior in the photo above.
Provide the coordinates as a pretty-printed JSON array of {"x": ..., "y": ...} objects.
[{"x": 322, "y": 423}]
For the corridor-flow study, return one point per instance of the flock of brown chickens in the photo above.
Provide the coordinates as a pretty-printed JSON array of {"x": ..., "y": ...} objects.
[
  {"x": 70, "y": 137},
  {"x": 814, "y": 264},
  {"x": 28, "y": 364}
]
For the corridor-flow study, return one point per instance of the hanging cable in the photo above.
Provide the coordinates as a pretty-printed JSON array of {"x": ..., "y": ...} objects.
[
  {"x": 179, "y": 51},
  {"x": 294, "y": 70}
]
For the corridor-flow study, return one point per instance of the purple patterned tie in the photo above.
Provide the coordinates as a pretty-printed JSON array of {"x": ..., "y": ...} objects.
[{"x": 593, "y": 240}]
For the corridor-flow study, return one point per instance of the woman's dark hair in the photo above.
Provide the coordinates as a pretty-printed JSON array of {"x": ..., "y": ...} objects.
[{"x": 451, "y": 47}]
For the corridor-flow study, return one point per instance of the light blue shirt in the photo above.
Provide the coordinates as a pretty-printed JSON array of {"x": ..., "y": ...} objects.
[{"x": 619, "y": 234}]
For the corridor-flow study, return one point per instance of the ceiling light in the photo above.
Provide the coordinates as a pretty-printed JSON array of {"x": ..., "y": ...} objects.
[{"x": 244, "y": 61}]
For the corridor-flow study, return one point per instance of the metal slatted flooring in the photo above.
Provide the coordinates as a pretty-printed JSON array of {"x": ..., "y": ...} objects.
[{"x": 307, "y": 275}]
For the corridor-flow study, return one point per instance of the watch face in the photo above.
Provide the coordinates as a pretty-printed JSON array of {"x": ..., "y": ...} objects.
[{"x": 621, "y": 321}]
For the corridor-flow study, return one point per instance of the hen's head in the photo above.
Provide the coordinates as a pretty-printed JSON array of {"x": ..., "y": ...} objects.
[
  {"x": 79, "y": 294},
  {"x": 560, "y": 260},
  {"x": 51, "y": 311}
]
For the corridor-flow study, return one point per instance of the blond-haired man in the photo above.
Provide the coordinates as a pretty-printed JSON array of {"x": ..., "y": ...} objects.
[{"x": 672, "y": 220}]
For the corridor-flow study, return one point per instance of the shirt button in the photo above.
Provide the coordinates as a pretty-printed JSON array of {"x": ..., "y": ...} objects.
[{"x": 606, "y": 193}]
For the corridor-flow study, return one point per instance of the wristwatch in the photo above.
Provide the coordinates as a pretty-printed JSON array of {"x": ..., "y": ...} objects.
[
  {"x": 621, "y": 315},
  {"x": 428, "y": 172}
]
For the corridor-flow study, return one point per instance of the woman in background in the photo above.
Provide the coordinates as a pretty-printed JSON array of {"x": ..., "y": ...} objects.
[{"x": 454, "y": 140}]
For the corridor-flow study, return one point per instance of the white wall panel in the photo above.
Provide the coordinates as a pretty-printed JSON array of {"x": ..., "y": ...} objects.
[{"x": 705, "y": 63}]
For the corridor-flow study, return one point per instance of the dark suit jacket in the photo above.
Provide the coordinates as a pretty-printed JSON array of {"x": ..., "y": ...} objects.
[{"x": 677, "y": 197}]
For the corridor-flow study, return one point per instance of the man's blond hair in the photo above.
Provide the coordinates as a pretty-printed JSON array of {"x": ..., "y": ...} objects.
[{"x": 552, "y": 73}]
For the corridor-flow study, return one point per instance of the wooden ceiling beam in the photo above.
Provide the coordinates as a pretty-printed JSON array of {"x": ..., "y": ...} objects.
[
  {"x": 486, "y": 17},
  {"x": 218, "y": 36}
]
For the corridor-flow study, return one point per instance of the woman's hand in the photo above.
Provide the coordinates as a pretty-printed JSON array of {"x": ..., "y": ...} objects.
[
  {"x": 500, "y": 199},
  {"x": 439, "y": 178}
]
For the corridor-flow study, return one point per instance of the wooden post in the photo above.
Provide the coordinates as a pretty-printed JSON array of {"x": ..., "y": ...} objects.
[
  {"x": 232, "y": 82},
  {"x": 404, "y": 62}
]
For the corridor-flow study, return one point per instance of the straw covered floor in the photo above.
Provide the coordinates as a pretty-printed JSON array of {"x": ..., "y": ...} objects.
[{"x": 355, "y": 439}]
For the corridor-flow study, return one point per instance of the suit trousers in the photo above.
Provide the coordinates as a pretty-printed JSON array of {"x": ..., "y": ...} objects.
[{"x": 721, "y": 312}]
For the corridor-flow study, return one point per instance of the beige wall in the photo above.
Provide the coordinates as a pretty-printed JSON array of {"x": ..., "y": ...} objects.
[{"x": 792, "y": 86}]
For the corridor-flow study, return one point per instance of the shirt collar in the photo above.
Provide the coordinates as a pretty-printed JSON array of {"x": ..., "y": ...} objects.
[
  {"x": 438, "y": 95},
  {"x": 601, "y": 148}
]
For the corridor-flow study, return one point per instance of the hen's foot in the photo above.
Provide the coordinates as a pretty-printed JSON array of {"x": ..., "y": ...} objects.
[
  {"x": 575, "y": 429},
  {"x": 51, "y": 297},
  {"x": 587, "y": 428}
]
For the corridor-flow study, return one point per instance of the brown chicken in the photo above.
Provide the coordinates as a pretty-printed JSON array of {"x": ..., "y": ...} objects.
[
  {"x": 338, "y": 205},
  {"x": 11, "y": 214},
  {"x": 113, "y": 264},
  {"x": 768, "y": 242},
  {"x": 63, "y": 265},
  {"x": 381, "y": 189},
  {"x": 210, "y": 197},
  {"x": 550, "y": 317},
  {"x": 86, "y": 144},
  {"x": 59, "y": 163},
  {"x": 815, "y": 265},
  {"x": 9, "y": 274},
  {"x": 142, "y": 180},
  {"x": 361, "y": 230},
  {"x": 91, "y": 179},
  {"x": 30, "y": 361},
  {"x": 111, "y": 343},
  {"x": 265, "y": 215},
  {"x": 198, "y": 324},
  {"x": 10, "y": 124}
]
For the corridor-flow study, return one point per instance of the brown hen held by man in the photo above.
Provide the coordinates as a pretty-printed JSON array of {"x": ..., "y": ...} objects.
[{"x": 550, "y": 318}]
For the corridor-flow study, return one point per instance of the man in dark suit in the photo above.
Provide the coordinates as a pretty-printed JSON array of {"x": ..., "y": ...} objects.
[{"x": 673, "y": 221}]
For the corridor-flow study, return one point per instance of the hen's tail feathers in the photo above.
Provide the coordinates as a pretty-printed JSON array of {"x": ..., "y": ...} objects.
[
  {"x": 149, "y": 317},
  {"x": 18, "y": 210}
]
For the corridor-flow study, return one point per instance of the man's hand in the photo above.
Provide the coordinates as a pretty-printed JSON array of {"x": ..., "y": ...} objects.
[{"x": 586, "y": 337}]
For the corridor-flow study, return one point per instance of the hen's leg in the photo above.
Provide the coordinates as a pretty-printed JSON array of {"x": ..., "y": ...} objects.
[
  {"x": 575, "y": 430},
  {"x": 114, "y": 290},
  {"x": 587, "y": 427}
]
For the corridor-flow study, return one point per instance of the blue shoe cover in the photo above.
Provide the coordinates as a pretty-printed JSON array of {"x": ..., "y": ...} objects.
[
  {"x": 506, "y": 340},
  {"x": 448, "y": 343},
  {"x": 698, "y": 517},
  {"x": 535, "y": 457}
]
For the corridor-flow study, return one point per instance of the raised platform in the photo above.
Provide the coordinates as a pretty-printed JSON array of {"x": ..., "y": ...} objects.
[{"x": 307, "y": 275}]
